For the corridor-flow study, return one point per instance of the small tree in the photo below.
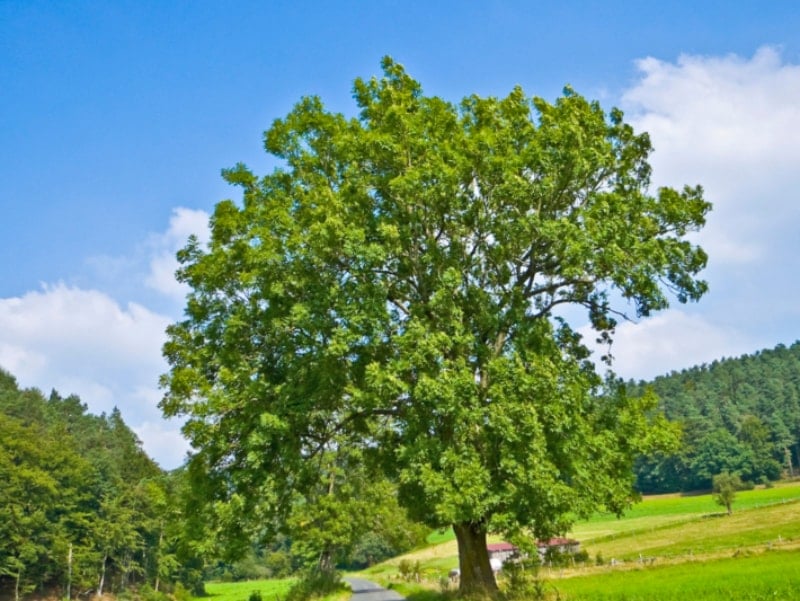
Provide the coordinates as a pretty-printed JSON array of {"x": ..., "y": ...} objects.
[{"x": 724, "y": 486}]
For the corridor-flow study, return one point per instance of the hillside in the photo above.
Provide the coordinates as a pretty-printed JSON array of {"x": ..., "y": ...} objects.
[
  {"x": 666, "y": 547},
  {"x": 738, "y": 415},
  {"x": 82, "y": 506}
]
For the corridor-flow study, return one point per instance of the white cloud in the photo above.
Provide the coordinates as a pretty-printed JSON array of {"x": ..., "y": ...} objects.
[
  {"x": 83, "y": 342},
  {"x": 163, "y": 247},
  {"x": 674, "y": 339},
  {"x": 729, "y": 124},
  {"x": 163, "y": 441},
  {"x": 59, "y": 318}
]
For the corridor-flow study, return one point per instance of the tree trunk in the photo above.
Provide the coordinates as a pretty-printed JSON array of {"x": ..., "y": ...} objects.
[
  {"x": 102, "y": 575},
  {"x": 325, "y": 563},
  {"x": 158, "y": 555},
  {"x": 473, "y": 560},
  {"x": 69, "y": 573}
]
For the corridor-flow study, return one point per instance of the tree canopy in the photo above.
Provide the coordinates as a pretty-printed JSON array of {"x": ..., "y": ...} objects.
[
  {"x": 395, "y": 288},
  {"x": 83, "y": 507}
]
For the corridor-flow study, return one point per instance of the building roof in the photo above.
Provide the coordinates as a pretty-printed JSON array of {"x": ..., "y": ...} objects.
[{"x": 501, "y": 546}]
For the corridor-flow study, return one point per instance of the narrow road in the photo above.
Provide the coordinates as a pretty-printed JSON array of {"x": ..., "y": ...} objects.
[{"x": 364, "y": 590}]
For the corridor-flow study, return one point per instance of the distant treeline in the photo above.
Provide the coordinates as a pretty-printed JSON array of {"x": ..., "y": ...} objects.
[
  {"x": 83, "y": 509},
  {"x": 737, "y": 415}
]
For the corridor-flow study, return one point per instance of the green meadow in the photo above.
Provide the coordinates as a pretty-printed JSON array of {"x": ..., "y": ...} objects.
[
  {"x": 772, "y": 575},
  {"x": 676, "y": 526},
  {"x": 270, "y": 590},
  {"x": 665, "y": 548}
]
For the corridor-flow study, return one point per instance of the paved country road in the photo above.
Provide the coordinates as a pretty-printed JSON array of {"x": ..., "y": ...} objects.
[{"x": 364, "y": 590}]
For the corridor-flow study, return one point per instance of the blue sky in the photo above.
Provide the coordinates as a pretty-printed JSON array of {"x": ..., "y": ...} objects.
[{"x": 116, "y": 118}]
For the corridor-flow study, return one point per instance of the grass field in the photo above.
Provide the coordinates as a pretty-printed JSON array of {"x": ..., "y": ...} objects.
[
  {"x": 666, "y": 548},
  {"x": 663, "y": 510},
  {"x": 271, "y": 590},
  {"x": 773, "y": 575}
]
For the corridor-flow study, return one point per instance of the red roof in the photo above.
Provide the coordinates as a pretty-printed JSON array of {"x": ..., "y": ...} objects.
[{"x": 500, "y": 547}]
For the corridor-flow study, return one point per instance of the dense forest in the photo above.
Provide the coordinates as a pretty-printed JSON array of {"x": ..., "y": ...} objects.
[
  {"x": 84, "y": 511},
  {"x": 83, "y": 506},
  {"x": 737, "y": 415}
]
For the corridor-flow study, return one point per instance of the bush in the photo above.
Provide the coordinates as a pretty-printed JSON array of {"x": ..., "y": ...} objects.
[
  {"x": 409, "y": 570},
  {"x": 315, "y": 583},
  {"x": 255, "y": 596},
  {"x": 279, "y": 564},
  {"x": 523, "y": 583},
  {"x": 581, "y": 556},
  {"x": 146, "y": 593},
  {"x": 179, "y": 593}
]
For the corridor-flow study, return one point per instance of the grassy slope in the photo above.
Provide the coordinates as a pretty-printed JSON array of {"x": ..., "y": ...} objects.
[
  {"x": 678, "y": 530},
  {"x": 773, "y": 576},
  {"x": 664, "y": 524}
]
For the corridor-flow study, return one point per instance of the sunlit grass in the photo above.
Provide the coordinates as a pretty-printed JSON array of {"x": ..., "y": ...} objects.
[
  {"x": 663, "y": 526},
  {"x": 663, "y": 510},
  {"x": 772, "y": 575},
  {"x": 773, "y": 525},
  {"x": 664, "y": 530},
  {"x": 270, "y": 590}
]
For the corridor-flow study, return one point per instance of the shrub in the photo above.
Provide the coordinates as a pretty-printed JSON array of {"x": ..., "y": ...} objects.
[
  {"x": 409, "y": 570},
  {"x": 315, "y": 583},
  {"x": 179, "y": 593},
  {"x": 523, "y": 584}
]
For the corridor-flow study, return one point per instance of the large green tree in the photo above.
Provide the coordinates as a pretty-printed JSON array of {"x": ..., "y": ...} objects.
[{"x": 399, "y": 285}]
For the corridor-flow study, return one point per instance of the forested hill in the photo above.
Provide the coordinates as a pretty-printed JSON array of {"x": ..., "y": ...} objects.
[
  {"x": 82, "y": 506},
  {"x": 738, "y": 415}
]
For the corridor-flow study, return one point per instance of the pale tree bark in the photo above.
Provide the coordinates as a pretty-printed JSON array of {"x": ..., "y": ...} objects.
[
  {"x": 102, "y": 575},
  {"x": 69, "y": 573}
]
